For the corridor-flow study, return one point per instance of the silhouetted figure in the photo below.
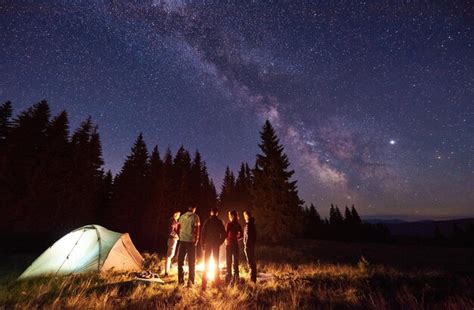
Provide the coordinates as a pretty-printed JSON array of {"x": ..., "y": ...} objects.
[
  {"x": 188, "y": 239},
  {"x": 233, "y": 235},
  {"x": 250, "y": 238},
  {"x": 173, "y": 238},
  {"x": 213, "y": 235}
]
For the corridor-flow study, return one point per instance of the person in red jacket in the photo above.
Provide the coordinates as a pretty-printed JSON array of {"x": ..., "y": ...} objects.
[{"x": 233, "y": 235}]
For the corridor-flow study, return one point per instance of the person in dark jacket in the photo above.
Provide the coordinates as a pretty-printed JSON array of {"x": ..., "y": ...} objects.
[
  {"x": 250, "y": 238},
  {"x": 233, "y": 235},
  {"x": 212, "y": 236}
]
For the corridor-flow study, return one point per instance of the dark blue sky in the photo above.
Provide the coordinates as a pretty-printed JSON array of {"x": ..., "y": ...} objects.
[{"x": 373, "y": 102}]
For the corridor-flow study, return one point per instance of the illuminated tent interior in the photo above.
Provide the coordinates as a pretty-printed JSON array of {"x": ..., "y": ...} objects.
[{"x": 89, "y": 248}]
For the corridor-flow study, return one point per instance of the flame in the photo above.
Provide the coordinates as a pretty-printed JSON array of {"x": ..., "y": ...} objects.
[{"x": 211, "y": 269}]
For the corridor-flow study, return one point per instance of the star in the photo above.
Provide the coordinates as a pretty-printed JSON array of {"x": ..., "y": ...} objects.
[{"x": 182, "y": 74}]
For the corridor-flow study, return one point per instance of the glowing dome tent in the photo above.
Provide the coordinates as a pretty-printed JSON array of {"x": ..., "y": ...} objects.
[{"x": 89, "y": 248}]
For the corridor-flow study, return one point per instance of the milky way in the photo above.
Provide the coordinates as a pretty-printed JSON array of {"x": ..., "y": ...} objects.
[{"x": 374, "y": 103}]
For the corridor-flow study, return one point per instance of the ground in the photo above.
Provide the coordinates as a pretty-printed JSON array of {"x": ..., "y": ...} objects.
[{"x": 304, "y": 274}]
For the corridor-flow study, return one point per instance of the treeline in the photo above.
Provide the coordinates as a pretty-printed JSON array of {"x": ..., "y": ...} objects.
[
  {"x": 49, "y": 179},
  {"x": 347, "y": 227},
  {"x": 52, "y": 181},
  {"x": 149, "y": 189}
]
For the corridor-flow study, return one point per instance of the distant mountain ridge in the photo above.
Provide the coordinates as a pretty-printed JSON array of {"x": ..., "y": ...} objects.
[
  {"x": 384, "y": 221},
  {"x": 424, "y": 228}
]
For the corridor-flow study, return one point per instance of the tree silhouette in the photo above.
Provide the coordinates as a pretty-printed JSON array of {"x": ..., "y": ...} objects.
[
  {"x": 130, "y": 190},
  {"x": 6, "y": 111},
  {"x": 355, "y": 216},
  {"x": 277, "y": 206},
  {"x": 27, "y": 141},
  {"x": 51, "y": 182},
  {"x": 85, "y": 194}
]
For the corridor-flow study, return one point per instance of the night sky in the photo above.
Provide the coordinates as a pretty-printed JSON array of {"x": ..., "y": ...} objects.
[{"x": 373, "y": 102}]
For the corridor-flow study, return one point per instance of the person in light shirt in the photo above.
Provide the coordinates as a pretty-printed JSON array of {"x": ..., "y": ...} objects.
[
  {"x": 172, "y": 240},
  {"x": 189, "y": 224}
]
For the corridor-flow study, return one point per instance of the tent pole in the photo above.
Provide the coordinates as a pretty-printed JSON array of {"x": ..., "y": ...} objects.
[{"x": 99, "y": 240}]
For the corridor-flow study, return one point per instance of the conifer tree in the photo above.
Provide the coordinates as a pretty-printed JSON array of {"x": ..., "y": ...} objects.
[
  {"x": 313, "y": 222},
  {"x": 199, "y": 187},
  {"x": 166, "y": 196},
  {"x": 277, "y": 206},
  {"x": 54, "y": 176},
  {"x": 314, "y": 215},
  {"x": 335, "y": 216},
  {"x": 131, "y": 188},
  {"x": 86, "y": 184},
  {"x": 243, "y": 186},
  {"x": 228, "y": 188},
  {"x": 6, "y": 111},
  {"x": 27, "y": 141},
  {"x": 148, "y": 229},
  {"x": 348, "y": 220},
  {"x": 209, "y": 190},
  {"x": 155, "y": 177},
  {"x": 196, "y": 182},
  {"x": 182, "y": 173},
  {"x": 106, "y": 198},
  {"x": 355, "y": 216}
]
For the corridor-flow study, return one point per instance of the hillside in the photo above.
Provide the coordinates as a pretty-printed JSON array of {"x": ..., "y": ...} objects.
[{"x": 426, "y": 229}]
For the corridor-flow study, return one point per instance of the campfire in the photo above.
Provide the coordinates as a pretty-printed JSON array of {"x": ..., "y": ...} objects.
[{"x": 212, "y": 268}]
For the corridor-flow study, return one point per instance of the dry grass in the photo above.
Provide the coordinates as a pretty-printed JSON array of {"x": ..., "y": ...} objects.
[{"x": 299, "y": 282}]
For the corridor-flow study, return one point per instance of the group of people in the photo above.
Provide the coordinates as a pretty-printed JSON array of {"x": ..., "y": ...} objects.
[{"x": 186, "y": 229}]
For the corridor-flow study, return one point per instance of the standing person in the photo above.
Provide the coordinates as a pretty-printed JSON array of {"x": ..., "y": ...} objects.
[
  {"x": 213, "y": 235},
  {"x": 250, "y": 238},
  {"x": 188, "y": 239},
  {"x": 172, "y": 240},
  {"x": 233, "y": 235}
]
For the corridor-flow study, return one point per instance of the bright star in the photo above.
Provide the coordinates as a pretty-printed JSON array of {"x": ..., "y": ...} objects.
[{"x": 392, "y": 142}]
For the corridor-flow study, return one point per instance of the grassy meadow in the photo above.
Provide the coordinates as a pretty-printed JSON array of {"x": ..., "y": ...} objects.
[{"x": 302, "y": 275}]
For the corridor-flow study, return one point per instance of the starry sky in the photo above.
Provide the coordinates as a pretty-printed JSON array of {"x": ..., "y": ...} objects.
[{"x": 374, "y": 102}]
